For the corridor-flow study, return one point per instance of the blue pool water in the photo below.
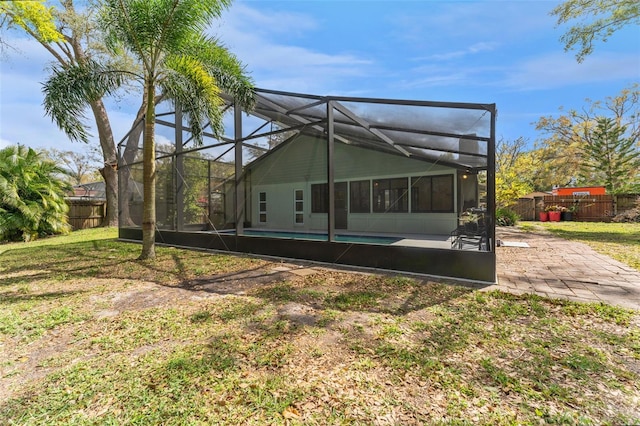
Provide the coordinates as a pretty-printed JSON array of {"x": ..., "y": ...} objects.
[{"x": 363, "y": 239}]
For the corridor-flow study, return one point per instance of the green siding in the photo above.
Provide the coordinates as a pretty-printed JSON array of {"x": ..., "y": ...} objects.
[
  {"x": 305, "y": 159},
  {"x": 302, "y": 163},
  {"x": 302, "y": 160}
]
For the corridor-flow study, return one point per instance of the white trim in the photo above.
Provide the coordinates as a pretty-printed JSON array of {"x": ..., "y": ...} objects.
[
  {"x": 261, "y": 210},
  {"x": 298, "y": 213}
]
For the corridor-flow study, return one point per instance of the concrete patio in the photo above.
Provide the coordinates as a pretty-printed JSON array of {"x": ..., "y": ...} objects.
[{"x": 557, "y": 268}]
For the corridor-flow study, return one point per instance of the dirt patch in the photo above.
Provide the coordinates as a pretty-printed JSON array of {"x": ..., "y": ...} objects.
[
  {"x": 299, "y": 313},
  {"x": 237, "y": 282}
]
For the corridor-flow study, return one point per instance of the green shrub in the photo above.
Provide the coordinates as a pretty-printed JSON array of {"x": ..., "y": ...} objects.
[
  {"x": 32, "y": 200},
  {"x": 506, "y": 217}
]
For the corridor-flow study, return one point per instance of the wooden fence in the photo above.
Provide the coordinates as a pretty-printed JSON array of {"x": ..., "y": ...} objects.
[
  {"x": 527, "y": 208},
  {"x": 85, "y": 213},
  {"x": 589, "y": 208}
]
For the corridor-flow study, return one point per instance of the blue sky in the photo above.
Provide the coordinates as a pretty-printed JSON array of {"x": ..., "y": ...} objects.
[{"x": 503, "y": 52}]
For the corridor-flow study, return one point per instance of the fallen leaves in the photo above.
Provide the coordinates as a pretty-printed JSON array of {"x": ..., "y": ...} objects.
[
  {"x": 291, "y": 413},
  {"x": 292, "y": 360}
]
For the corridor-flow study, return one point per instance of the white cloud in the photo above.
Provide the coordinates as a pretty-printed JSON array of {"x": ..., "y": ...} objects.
[
  {"x": 435, "y": 79},
  {"x": 275, "y": 22},
  {"x": 459, "y": 54},
  {"x": 452, "y": 75},
  {"x": 480, "y": 20},
  {"x": 254, "y": 36},
  {"x": 544, "y": 71},
  {"x": 557, "y": 70},
  {"x": 25, "y": 56}
]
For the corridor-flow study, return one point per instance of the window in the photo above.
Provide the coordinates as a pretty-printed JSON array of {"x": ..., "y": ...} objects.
[
  {"x": 420, "y": 194},
  {"x": 298, "y": 202},
  {"x": 432, "y": 194},
  {"x": 442, "y": 193},
  {"x": 360, "y": 194},
  {"x": 320, "y": 198},
  {"x": 390, "y": 195},
  {"x": 262, "y": 208}
]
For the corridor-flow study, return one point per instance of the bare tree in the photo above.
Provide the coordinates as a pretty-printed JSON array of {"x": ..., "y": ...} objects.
[{"x": 81, "y": 167}]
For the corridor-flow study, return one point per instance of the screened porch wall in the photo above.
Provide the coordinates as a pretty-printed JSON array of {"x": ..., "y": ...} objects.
[
  {"x": 369, "y": 140},
  {"x": 300, "y": 165},
  {"x": 192, "y": 193},
  {"x": 130, "y": 196}
]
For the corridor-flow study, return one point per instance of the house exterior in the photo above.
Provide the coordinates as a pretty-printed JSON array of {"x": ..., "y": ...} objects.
[
  {"x": 375, "y": 192},
  {"x": 93, "y": 190}
]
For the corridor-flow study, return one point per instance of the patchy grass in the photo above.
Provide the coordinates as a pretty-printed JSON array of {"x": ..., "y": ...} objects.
[
  {"x": 620, "y": 241},
  {"x": 94, "y": 234},
  {"x": 90, "y": 336}
]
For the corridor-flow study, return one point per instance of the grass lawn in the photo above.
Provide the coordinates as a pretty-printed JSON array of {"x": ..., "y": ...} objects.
[
  {"x": 620, "y": 241},
  {"x": 88, "y": 335}
]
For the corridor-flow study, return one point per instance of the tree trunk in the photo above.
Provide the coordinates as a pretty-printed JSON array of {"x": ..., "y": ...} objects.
[
  {"x": 110, "y": 156},
  {"x": 110, "y": 176},
  {"x": 149, "y": 178},
  {"x": 128, "y": 157}
]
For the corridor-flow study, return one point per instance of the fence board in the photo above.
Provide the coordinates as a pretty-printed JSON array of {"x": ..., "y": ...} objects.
[
  {"x": 85, "y": 213},
  {"x": 591, "y": 208},
  {"x": 525, "y": 208}
]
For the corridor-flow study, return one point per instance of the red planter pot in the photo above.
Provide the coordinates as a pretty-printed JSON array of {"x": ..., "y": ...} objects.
[
  {"x": 544, "y": 216},
  {"x": 555, "y": 216}
]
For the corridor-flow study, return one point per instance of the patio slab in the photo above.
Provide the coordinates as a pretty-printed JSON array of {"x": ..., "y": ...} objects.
[{"x": 558, "y": 268}]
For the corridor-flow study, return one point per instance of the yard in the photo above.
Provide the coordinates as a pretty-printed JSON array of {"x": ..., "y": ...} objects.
[{"x": 90, "y": 336}]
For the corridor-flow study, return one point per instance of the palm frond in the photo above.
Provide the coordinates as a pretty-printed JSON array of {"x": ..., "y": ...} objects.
[
  {"x": 71, "y": 88},
  {"x": 149, "y": 28},
  {"x": 188, "y": 83},
  {"x": 31, "y": 196},
  {"x": 230, "y": 74}
]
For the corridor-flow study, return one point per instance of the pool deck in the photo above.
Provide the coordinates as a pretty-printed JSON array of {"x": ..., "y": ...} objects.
[
  {"x": 430, "y": 241},
  {"x": 407, "y": 240}
]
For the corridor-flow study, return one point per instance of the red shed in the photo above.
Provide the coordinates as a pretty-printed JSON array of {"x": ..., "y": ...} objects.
[{"x": 581, "y": 190}]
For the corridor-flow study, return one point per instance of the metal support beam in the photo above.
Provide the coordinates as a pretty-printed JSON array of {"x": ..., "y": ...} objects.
[
  {"x": 209, "y": 219},
  {"x": 491, "y": 181},
  {"x": 435, "y": 104},
  {"x": 298, "y": 118},
  {"x": 364, "y": 124},
  {"x": 239, "y": 183},
  {"x": 331, "y": 213},
  {"x": 179, "y": 171}
]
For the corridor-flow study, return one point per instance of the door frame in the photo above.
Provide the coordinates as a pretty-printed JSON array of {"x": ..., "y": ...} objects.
[{"x": 341, "y": 211}]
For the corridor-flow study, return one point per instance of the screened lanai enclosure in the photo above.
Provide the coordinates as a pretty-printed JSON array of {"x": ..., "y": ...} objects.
[{"x": 378, "y": 183}]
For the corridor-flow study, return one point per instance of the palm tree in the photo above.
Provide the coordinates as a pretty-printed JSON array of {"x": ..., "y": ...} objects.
[
  {"x": 72, "y": 37},
  {"x": 31, "y": 195},
  {"x": 179, "y": 62}
]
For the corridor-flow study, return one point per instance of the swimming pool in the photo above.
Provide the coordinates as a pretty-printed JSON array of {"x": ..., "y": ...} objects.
[{"x": 343, "y": 238}]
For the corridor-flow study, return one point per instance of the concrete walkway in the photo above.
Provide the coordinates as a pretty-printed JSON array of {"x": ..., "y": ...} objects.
[{"x": 558, "y": 268}]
